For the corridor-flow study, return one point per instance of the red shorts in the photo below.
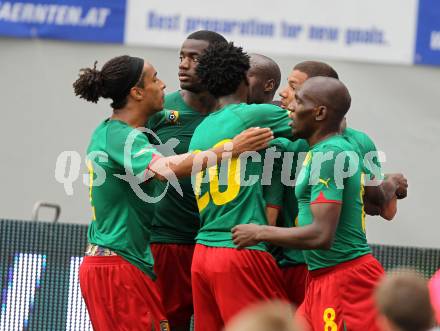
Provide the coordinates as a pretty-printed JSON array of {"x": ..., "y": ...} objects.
[
  {"x": 227, "y": 280},
  {"x": 172, "y": 265},
  {"x": 119, "y": 296},
  {"x": 294, "y": 278},
  {"x": 342, "y": 296}
]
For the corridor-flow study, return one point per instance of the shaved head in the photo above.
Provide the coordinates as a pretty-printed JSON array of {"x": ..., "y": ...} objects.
[
  {"x": 319, "y": 108},
  {"x": 266, "y": 67},
  {"x": 264, "y": 78},
  {"x": 328, "y": 92}
]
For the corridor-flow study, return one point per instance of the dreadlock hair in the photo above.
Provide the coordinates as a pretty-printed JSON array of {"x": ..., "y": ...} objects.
[
  {"x": 108, "y": 83},
  {"x": 316, "y": 68},
  {"x": 209, "y": 36},
  {"x": 222, "y": 67}
]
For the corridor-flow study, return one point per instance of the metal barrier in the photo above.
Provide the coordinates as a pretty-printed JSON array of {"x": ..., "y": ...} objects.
[{"x": 39, "y": 264}]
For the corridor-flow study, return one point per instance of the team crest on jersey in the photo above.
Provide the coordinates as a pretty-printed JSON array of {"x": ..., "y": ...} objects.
[
  {"x": 164, "y": 325},
  {"x": 172, "y": 116}
]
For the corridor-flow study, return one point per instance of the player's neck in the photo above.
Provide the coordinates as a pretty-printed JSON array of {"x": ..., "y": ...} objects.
[
  {"x": 202, "y": 102},
  {"x": 229, "y": 100},
  {"x": 239, "y": 96},
  {"x": 320, "y": 135},
  {"x": 130, "y": 115}
]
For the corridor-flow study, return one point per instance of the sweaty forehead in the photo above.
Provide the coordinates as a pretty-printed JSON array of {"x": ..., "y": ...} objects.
[{"x": 194, "y": 46}]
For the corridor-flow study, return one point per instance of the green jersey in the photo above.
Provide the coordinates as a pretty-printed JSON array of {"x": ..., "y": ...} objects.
[
  {"x": 121, "y": 219},
  {"x": 176, "y": 217},
  {"x": 282, "y": 196},
  {"x": 231, "y": 193},
  {"x": 367, "y": 152},
  {"x": 325, "y": 184}
]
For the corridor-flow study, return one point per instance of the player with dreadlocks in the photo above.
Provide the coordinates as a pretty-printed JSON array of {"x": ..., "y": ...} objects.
[{"x": 116, "y": 275}]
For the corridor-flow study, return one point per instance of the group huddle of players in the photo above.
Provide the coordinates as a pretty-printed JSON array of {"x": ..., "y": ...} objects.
[{"x": 215, "y": 246}]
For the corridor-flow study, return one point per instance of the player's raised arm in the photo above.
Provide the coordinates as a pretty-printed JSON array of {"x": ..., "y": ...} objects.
[{"x": 252, "y": 139}]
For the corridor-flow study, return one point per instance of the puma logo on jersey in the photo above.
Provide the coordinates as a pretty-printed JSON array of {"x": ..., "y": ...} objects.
[{"x": 325, "y": 182}]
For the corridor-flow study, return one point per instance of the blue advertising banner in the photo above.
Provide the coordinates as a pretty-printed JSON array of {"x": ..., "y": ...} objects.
[
  {"x": 406, "y": 37},
  {"x": 82, "y": 20},
  {"x": 428, "y": 33},
  {"x": 313, "y": 28}
]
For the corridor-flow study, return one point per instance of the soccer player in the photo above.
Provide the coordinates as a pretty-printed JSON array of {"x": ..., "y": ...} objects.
[
  {"x": 264, "y": 78},
  {"x": 282, "y": 210},
  {"x": 343, "y": 273},
  {"x": 379, "y": 202},
  {"x": 224, "y": 279},
  {"x": 176, "y": 217},
  {"x": 116, "y": 275}
]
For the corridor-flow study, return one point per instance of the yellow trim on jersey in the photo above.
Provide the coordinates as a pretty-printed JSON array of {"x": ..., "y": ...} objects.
[
  {"x": 307, "y": 159},
  {"x": 91, "y": 174},
  {"x": 362, "y": 191}
]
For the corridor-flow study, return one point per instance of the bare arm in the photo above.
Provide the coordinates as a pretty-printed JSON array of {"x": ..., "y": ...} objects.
[
  {"x": 318, "y": 235},
  {"x": 272, "y": 215},
  {"x": 392, "y": 185},
  {"x": 381, "y": 199},
  {"x": 252, "y": 139}
]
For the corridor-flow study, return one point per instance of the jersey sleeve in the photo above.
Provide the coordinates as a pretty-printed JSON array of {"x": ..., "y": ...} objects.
[
  {"x": 323, "y": 182},
  {"x": 267, "y": 116},
  {"x": 130, "y": 149},
  {"x": 372, "y": 165}
]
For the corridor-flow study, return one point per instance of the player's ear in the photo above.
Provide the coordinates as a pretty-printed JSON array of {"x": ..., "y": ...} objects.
[
  {"x": 269, "y": 86},
  {"x": 321, "y": 113},
  {"x": 136, "y": 93}
]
